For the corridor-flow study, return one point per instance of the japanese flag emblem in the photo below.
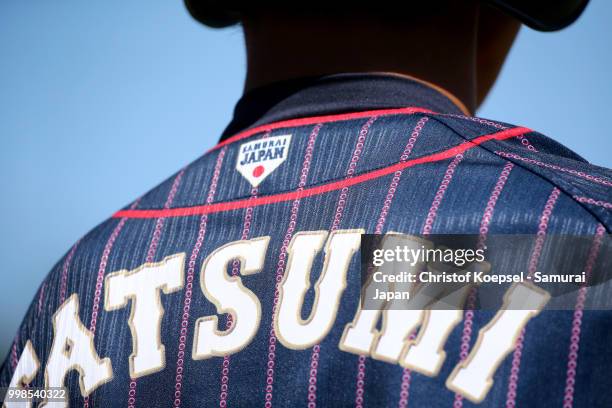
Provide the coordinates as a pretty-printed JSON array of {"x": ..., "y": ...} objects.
[{"x": 259, "y": 158}]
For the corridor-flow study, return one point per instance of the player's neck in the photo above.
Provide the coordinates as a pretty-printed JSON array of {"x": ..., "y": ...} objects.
[{"x": 445, "y": 57}]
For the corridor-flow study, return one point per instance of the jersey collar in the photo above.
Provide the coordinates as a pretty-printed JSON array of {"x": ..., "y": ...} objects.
[{"x": 336, "y": 94}]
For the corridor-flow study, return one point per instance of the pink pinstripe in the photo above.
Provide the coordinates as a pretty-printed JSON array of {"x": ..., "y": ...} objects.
[
  {"x": 406, "y": 375},
  {"x": 433, "y": 210},
  {"x": 14, "y": 359},
  {"x": 542, "y": 227},
  {"x": 533, "y": 264},
  {"x": 246, "y": 228},
  {"x": 41, "y": 296},
  {"x": 572, "y": 356},
  {"x": 312, "y": 375},
  {"x": 577, "y": 173},
  {"x": 64, "y": 277},
  {"x": 382, "y": 218},
  {"x": 100, "y": 278},
  {"x": 360, "y": 381},
  {"x": 427, "y": 227},
  {"x": 490, "y": 208},
  {"x": 468, "y": 319},
  {"x": 592, "y": 201},
  {"x": 351, "y": 172},
  {"x": 102, "y": 269},
  {"x": 524, "y": 141},
  {"x": 280, "y": 267},
  {"x": 190, "y": 273},
  {"x": 340, "y": 205},
  {"x": 477, "y": 120},
  {"x": 405, "y": 386},
  {"x": 159, "y": 224}
]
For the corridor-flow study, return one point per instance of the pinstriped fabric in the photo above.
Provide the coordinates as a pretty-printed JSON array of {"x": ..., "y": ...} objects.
[
  {"x": 426, "y": 230},
  {"x": 468, "y": 318},
  {"x": 361, "y": 367},
  {"x": 433, "y": 210},
  {"x": 280, "y": 267},
  {"x": 180, "y": 358},
  {"x": 225, "y": 366},
  {"x": 477, "y": 120},
  {"x": 592, "y": 201},
  {"x": 13, "y": 356},
  {"x": 363, "y": 133},
  {"x": 101, "y": 271},
  {"x": 64, "y": 275},
  {"x": 525, "y": 142},
  {"x": 323, "y": 188},
  {"x": 41, "y": 297},
  {"x": 100, "y": 277},
  {"x": 490, "y": 208},
  {"x": 246, "y": 229},
  {"x": 572, "y": 356},
  {"x": 533, "y": 264},
  {"x": 522, "y": 138},
  {"x": 159, "y": 224},
  {"x": 157, "y": 231},
  {"x": 312, "y": 120},
  {"x": 382, "y": 218},
  {"x": 340, "y": 205},
  {"x": 353, "y": 188},
  {"x": 573, "y": 172},
  {"x": 312, "y": 383}
]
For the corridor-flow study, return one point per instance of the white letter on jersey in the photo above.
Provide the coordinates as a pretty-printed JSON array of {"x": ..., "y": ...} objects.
[
  {"x": 425, "y": 308},
  {"x": 73, "y": 348},
  {"x": 292, "y": 331},
  {"x": 229, "y": 296},
  {"x": 426, "y": 354},
  {"x": 24, "y": 373},
  {"x": 361, "y": 337},
  {"x": 473, "y": 377},
  {"x": 142, "y": 286}
]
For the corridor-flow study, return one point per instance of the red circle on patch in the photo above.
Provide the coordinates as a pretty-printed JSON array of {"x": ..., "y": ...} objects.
[{"x": 258, "y": 171}]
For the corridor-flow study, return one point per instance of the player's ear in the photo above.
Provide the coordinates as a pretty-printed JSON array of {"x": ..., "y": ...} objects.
[{"x": 495, "y": 33}]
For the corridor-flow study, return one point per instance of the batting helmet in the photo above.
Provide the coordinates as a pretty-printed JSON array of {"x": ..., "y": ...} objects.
[{"x": 541, "y": 15}]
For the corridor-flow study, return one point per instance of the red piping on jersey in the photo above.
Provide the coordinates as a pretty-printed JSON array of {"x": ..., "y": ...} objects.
[
  {"x": 323, "y": 188},
  {"x": 311, "y": 120}
]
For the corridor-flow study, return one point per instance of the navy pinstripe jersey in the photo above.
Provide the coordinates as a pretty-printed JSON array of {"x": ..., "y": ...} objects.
[{"x": 236, "y": 281}]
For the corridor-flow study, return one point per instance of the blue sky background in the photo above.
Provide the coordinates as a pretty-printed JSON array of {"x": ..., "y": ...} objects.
[{"x": 100, "y": 101}]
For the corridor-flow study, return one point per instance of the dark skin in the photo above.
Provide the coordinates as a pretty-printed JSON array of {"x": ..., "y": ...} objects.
[{"x": 460, "y": 48}]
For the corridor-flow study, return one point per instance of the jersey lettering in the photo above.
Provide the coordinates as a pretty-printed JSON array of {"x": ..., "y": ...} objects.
[
  {"x": 73, "y": 349},
  {"x": 26, "y": 369},
  {"x": 474, "y": 377},
  {"x": 142, "y": 286},
  {"x": 229, "y": 296},
  {"x": 395, "y": 342},
  {"x": 292, "y": 331}
]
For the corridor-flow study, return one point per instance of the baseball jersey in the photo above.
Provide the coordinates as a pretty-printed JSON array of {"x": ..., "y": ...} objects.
[{"x": 236, "y": 282}]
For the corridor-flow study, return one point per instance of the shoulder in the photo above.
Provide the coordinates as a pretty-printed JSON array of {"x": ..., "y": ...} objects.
[
  {"x": 421, "y": 140},
  {"x": 542, "y": 161}
]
